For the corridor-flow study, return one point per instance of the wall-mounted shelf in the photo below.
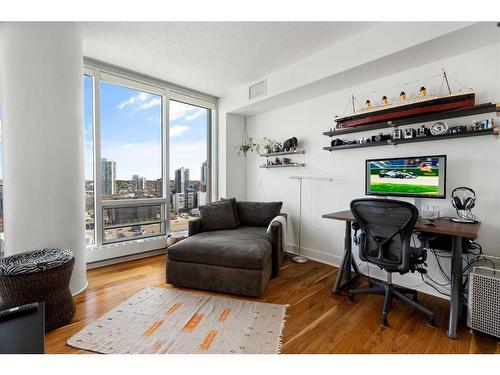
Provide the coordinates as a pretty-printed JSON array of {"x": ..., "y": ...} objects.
[
  {"x": 493, "y": 131},
  {"x": 283, "y": 153},
  {"x": 476, "y": 110},
  {"x": 291, "y": 165}
]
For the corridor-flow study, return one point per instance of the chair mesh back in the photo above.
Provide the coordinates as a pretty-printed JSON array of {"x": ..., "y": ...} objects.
[{"x": 387, "y": 226}]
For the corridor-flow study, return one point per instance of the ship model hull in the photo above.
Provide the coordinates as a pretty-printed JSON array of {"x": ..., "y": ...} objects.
[{"x": 381, "y": 114}]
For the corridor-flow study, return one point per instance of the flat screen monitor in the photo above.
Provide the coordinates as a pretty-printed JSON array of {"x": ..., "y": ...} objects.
[{"x": 419, "y": 177}]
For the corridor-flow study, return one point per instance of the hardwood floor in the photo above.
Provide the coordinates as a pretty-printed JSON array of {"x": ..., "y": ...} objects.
[{"x": 317, "y": 322}]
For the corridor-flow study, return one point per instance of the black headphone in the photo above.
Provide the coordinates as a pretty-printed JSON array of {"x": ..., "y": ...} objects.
[{"x": 468, "y": 203}]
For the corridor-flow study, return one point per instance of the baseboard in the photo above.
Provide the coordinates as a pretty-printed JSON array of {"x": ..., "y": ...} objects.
[
  {"x": 126, "y": 258},
  {"x": 317, "y": 255},
  {"x": 407, "y": 280}
]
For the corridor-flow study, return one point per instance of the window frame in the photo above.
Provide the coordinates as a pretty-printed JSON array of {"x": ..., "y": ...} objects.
[
  {"x": 104, "y": 72},
  {"x": 211, "y": 107}
]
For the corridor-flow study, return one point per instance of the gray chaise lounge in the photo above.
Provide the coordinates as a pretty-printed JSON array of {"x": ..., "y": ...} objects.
[{"x": 236, "y": 261}]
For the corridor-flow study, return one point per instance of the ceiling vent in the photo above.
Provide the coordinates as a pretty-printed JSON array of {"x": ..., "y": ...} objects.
[{"x": 258, "y": 89}]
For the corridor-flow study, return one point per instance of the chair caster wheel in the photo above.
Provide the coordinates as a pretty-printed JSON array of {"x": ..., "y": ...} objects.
[
  {"x": 351, "y": 297},
  {"x": 431, "y": 322},
  {"x": 384, "y": 322}
]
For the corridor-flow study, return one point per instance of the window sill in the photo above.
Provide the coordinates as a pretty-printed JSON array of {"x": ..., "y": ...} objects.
[{"x": 97, "y": 253}]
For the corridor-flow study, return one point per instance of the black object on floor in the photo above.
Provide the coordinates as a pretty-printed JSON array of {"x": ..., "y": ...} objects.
[{"x": 22, "y": 329}]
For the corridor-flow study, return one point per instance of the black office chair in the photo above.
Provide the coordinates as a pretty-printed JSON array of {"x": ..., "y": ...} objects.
[{"x": 386, "y": 229}]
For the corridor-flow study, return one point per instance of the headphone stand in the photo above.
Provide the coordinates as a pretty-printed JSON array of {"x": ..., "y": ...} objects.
[{"x": 463, "y": 221}]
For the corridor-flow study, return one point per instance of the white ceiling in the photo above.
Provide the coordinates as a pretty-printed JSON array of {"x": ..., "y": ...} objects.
[{"x": 211, "y": 57}]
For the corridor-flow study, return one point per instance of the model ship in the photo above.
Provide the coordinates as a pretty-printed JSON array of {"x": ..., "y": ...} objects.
[{"x": 405, "y": 107}]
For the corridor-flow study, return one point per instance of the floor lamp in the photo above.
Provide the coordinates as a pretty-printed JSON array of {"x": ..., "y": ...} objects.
[{"x": 299, "y": 258}]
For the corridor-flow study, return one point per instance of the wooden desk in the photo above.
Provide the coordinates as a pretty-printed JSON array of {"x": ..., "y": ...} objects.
[{"x": 458, "y": 232}]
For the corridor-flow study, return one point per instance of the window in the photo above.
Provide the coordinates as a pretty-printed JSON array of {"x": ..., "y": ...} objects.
[
  {"x": 145, "y": 175},
  {"x": 189, "y": 167},
  {"x": 131, "y": 154},
  {"x": 123, "y": 223},
  {"x": 1, "y": 185},
  {"x": 88, "y": 108}
]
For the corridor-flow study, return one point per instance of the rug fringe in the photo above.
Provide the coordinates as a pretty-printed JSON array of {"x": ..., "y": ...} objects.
[{"x": 282, "y": 328}]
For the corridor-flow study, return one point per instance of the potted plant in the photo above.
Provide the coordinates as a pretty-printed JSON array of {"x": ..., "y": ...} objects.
[
  {"x": 249, "y": 145},
  {"x": 270, "y": 146}
]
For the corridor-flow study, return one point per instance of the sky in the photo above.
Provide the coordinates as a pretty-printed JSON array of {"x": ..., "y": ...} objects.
[{"x": 131, "y": 133}]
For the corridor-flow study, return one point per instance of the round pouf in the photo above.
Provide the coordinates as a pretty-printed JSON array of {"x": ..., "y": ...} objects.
[{"x": 39, "y": 276}]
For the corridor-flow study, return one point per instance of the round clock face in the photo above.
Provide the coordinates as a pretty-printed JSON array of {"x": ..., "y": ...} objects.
[{"x": 439, "y": 128}]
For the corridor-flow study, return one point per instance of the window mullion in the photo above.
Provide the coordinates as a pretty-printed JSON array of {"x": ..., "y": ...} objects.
[{"x": 98, "y": 217}]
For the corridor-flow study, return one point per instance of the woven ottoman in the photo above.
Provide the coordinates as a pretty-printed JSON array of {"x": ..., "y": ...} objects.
[{"x": 39, "y": 276}]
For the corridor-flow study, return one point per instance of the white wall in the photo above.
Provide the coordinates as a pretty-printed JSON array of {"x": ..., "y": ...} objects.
[
  {"x": 473, "y": 162},
  {"x": 41, "y": 69},
  {"x": 232, "y": 127}
]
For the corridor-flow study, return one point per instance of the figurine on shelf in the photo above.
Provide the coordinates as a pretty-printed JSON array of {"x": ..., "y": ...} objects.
[
  {"x": 385, "y": 101},
  {"x": 290, "y": 144},
  {"x": 402, "y": 96},
  {"x": 423, "y": 91}
]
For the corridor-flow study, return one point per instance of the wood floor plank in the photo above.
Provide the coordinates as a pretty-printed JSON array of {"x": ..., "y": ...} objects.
[{"x": 317, "y": 321}]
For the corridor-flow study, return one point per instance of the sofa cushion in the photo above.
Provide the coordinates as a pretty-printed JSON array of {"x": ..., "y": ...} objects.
[
  {"x": 217, "y": 216},
  {"x": 235, "y": 211},
  {"x": 245, "y": 247},
  {"x": 257, "y": 214}
]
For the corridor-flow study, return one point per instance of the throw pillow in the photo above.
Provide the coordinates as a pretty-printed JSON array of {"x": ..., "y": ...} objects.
[
  {"x": 233, "y": 202},
  {"x": 257, "y": 214},
  {"x": 217, "y": 216}
]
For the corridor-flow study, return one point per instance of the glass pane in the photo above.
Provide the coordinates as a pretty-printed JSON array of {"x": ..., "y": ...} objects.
[
  {"x": 1, "y": 179},
  {"x": 117, "y": 216},
  {"x": 188, "y": 162},
  {"x": 88, "y": 107},
  {"x": 130, "y": 143},
  {"x": 132, "y": 232}
]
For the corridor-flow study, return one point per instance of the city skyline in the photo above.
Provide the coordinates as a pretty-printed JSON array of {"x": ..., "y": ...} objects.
[{"x": 182, "y": 181}]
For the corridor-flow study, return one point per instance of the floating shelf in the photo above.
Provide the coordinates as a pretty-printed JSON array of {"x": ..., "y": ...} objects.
[
  {"x": 291, "y": 165},
  {"x": 476, "y": 110},
  {"x": 493, "y": 131},
  {"x": 282, "y": 153}
]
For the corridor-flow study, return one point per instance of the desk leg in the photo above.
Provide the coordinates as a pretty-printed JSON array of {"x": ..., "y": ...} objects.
[
  {"x": 456, "y": 288},
  {"x": 345, "y": 275}
]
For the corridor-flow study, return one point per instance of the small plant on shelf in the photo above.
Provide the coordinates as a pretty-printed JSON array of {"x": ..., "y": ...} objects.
[{"x": 271, "y": 145}]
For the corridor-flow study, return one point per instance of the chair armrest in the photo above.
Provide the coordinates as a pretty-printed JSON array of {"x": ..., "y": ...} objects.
[
  {"x": 276, "y": 237},
  {"x": 194, "y": 227}
]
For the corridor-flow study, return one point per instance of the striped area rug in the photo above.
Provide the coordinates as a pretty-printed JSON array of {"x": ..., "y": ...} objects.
[{"x": 159, "y": 320}]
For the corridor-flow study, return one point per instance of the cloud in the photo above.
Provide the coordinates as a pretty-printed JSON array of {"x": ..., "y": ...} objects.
[
  {"x": 141, "y": 97},
  {"x": 178, "y": 130},
  {"x": 152, "y": 103},
  {"x": 185, "y": 111},
  {"x": 196, "y": 114}
]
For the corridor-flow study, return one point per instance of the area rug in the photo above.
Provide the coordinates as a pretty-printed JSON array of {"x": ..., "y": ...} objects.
[{"x": 159, "y": 320}]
